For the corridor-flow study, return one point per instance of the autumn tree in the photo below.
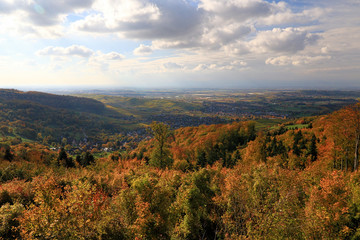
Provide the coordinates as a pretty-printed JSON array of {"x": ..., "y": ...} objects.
[
  {"x": 73, "y": 211},
  {"x": 161, "y": 156},
  {"x": 346, "y": 134},
  {"x": 354, "y": 112},
  {"x": 327, "y": 210},
  {"x": 8, "y": 220}
]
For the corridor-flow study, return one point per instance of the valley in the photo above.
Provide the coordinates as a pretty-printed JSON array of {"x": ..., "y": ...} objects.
[{"x": 179, "y": 165}]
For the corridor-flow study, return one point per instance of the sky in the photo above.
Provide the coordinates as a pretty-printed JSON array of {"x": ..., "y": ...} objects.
[{"x": 180, "y": 44}]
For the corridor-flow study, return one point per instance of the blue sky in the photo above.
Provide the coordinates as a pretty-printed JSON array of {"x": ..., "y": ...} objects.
[{"x": 180, "y": 43}]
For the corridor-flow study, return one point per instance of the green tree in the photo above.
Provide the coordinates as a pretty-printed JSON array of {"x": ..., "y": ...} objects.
[
  {"x": 312, "y": 150},
  {"x": 194, "y": 207},
  {"x": 64, "y": 159},
  {"x": 85, "y": 159},
  {"x": 8, "y": 155},
  {"x": 298, "y": 137},
  {"x": 62, "y": 156},
  {"x": 161, "y": 156},
  {"x": 201, "y": 158}
]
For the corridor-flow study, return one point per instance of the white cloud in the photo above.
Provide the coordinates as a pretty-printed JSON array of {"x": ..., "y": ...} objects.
[
  {"x": 239, "y": 10},
  {"x": 222, "y": 66},
  {"x": 112, "y": 56},
  {"x": 74, "y": 50},
  {"x": 296, "y": 60},
  {"x": 143, "y": 50},
  {"x": 103, "y": 61},
  {"x": 143, "y": 19},
  {"x": 289, "y": 40},
  {"x": 201, "y": 67},
  {"x": 172, "y": 66},
  {"x": 283, "y": 15}
]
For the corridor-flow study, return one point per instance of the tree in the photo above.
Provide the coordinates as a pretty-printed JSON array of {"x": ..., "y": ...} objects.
[
  {"x": 62, "y": 155},
  {"x": 85, "y": 159},
  {"x": 327, "y": 210},
  {"x": 298, "y": 137},
  {"x": 193, "y": 208},
  {"x": 74, "y": 211},
  {"x": 347, "y": 133},
  {"x": 9, "y": 220},
  {"x": 8, "y": 155},
  {"x": 64, "y": 159},
  {"x": 201, "y": 158},
  {"x": 160, "y": 156},
  {"x": 312, "y": 150},
  {"x": 355, "y": 115}
]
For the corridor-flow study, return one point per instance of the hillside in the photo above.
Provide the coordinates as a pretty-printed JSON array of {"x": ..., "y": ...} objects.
[
  {"x": 48, "y": 117},
  {"x": 79, "y": 104}
]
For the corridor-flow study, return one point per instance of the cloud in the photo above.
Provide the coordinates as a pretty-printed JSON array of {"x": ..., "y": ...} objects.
[
  {"x": 203, "y": 24},
  {"x": 239, "y": 10},
  {"x": 185, "y": 24},
  {"x": 295, "y": 60},
  {"x": 112, "y": 56},
  {"x": 41, "y": 18},
  {"x": 172, "y": 66},
  {"x": 144, "y": 19},
  {"x": 103, "y": 61},
  {"x": 74, "y": 50},
  {"x": 7, "y": 6},
  {"x": 227, "y": 66},
  {"x": 50, "y": 13},
  {"x": 284, "y": 16},
  {"x": 289, "y": 40},
  {"x": 218, "y": 37},
  {"x": 143, "y": 50}
]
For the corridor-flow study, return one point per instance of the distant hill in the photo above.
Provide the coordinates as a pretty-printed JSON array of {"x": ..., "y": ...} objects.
[
  {"x": 38, "y": 116},
  {"x": 80, "y": 104}
]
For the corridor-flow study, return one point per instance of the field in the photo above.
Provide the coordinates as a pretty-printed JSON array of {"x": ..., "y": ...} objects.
[{"x": 195, "y": 107}]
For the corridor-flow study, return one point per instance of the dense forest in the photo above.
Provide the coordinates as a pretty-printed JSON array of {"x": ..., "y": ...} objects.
[{"x": 295, "y": 180}]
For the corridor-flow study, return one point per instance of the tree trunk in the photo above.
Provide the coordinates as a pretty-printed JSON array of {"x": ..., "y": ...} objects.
[
  {"x": 342, "y": 163},
  {"x": 356, "y": 157},
  {"x": 346, "y": 164}
]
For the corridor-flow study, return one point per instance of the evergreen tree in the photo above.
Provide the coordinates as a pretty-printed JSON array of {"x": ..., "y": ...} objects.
[
  {"x": 88, "y": 159},
  {"x": 297, "y": 138},
  {"x": 78, "y": 159},
  {"x": 69, "y": 162},
  {"x": 62, "y": 157},
  {"x": 312, "y": 150},
  {"x": 201, "y": 159},
  {"x": 8, "y": 155},
  {"x": 273, "y": 148}
]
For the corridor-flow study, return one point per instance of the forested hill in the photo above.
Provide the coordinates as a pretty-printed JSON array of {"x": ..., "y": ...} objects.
[
  {"x": 50, "y": 118},
  {"x": 57, "y": 101}
]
